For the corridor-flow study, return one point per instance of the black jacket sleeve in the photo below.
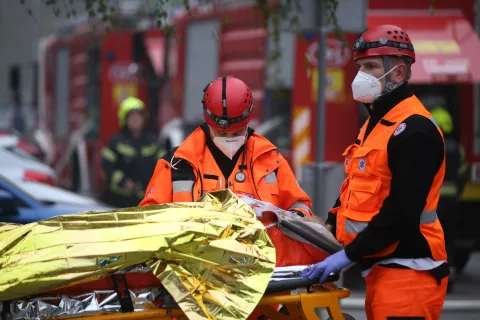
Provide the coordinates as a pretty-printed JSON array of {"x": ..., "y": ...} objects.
[
  {"x": 332, "y": 218},
  {"x": 414, "y": 157},
  {"x": 182, "y": 170}
]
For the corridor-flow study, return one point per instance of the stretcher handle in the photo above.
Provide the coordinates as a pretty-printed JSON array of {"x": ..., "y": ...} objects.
[
  {"x": 292, "y": 284},
  {"x": 323, "y": 244}
]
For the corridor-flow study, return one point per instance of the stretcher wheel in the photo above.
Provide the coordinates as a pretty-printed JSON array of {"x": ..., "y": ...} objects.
[{"x": 346, "y": 316}]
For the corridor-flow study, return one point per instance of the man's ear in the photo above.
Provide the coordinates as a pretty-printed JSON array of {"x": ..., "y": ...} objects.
[{"x": 399, "y": 74}]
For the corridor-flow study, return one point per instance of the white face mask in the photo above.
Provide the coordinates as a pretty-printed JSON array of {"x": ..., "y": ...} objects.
[
  {"x": 366, "y": 88},
  {"x": 228, "y": 145}
]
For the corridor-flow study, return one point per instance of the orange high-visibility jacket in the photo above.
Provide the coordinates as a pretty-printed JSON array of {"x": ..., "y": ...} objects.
[
  {"x": 368, "y": 184},
  {"x": 268, "y": 178}
]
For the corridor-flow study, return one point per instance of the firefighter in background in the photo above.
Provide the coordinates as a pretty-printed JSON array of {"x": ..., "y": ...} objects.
[
  {"x": 452, "y": 187},
  {"x": 386, "y": 213},
  {"x": 130, "y": 157},
  {"x": 225, "y": 153}
]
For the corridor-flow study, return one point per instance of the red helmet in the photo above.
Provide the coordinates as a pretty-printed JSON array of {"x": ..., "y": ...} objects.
[
  {"x": 384, "y": 40},
  {"x": 227, "y": 104}
]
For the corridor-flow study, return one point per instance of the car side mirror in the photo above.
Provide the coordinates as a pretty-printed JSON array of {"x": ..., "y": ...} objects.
[{"x": 8, "y": 206}]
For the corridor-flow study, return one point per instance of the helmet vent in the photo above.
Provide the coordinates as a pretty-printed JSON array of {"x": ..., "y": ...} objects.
[{"x": 389, "y": 32}]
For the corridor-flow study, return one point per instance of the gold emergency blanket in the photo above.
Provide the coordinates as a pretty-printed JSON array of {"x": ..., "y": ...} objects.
[{"x": 213, "y": 256}]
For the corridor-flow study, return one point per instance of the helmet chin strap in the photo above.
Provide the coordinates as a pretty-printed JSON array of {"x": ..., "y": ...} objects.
[{"x": 389, "y": 86}]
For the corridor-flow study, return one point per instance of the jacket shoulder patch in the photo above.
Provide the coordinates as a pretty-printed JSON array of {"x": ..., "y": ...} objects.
[{"x": 401, "y": 127}]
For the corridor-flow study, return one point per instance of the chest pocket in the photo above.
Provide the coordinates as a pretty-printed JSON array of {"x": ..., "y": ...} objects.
[
  {"x": 364, "y": 184},
  {"x": 210, "y": 183},
  {"x": 363, "y": 161},
  {"x": 244, "y": 188}
]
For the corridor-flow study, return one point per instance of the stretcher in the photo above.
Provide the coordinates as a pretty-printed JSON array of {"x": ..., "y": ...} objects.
[
  {"x": 129, "y": 284},
  {"x": 296, "y": 306},
  {"x": 298, "y": 298}
]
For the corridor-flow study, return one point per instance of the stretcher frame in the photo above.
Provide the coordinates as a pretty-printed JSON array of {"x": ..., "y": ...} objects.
[
  {"x": 300, "y": 306},
  {"x": 299, "y": 298}
]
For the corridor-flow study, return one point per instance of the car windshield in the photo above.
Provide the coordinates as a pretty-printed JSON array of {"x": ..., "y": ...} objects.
[{"x": 20, "y": 153}]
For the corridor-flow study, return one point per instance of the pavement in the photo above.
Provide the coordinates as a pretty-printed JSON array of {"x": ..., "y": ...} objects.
[{"x": 462, "y": 304}]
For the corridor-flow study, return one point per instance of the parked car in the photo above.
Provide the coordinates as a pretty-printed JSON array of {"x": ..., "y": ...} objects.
[
  {"x": 16, "y": 163},
  {"x": 23, "y": 201},
  {"x": 26, "y": 145}
]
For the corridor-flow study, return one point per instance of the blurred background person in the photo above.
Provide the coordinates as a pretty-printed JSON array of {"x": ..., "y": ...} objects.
[
  {"x": 130, "y": 157},
  {"x": 455, "y": 178}
]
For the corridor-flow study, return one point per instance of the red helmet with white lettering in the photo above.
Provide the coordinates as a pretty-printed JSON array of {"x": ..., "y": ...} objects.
[
  {"x": 227, "y": 104},
  {"x": 384, "y": 40}
]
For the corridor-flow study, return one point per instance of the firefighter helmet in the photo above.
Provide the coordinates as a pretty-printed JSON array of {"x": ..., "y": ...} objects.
[
  {"x": 443, "y": 119},
  {"x": 127, "y": 105},
  {"x": 227, "y": 104},
  {"x": 384, "y": 40}
]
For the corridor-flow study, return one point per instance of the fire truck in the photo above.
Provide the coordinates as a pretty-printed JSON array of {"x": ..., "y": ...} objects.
[{"x": 85, "y": 74}]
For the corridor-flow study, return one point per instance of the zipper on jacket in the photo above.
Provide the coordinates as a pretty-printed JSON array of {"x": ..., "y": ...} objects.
[
  {"x": 220, "y": 183},
  {"x": 253, "y": 179},
  {"x": 349, "y": 193}
]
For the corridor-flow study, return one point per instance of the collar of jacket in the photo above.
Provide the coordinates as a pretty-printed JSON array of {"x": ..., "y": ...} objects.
[
  {"x": 193, "y": 147},
  {"x": 385, "y": 103}
]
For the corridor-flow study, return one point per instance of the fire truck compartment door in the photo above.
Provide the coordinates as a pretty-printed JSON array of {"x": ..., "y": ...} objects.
[{"x": 446, "y": 45}]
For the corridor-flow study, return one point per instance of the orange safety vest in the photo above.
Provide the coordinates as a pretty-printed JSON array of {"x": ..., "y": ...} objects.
[
  {"x": 268, "y": 177},
  {"x": 368, "y": 183}
]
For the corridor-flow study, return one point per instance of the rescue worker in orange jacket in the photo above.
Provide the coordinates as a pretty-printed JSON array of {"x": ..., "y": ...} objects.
[
  {"x": 386, "y": 213},
  {"x": 225, "y": 153}
]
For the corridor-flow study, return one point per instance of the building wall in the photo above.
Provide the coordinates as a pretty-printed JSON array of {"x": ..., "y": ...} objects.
[{"x": 19, "y": 33}]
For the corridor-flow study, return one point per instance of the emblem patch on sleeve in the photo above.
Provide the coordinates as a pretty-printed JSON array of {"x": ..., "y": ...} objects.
[
  {"x": 362, "y": 164},
  {"x": 151, "y": 190},
  {"x": 400, "y": 129}
]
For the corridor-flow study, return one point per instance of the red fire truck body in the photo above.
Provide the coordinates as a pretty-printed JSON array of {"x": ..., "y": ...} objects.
[{"x": 87, "y": 75}]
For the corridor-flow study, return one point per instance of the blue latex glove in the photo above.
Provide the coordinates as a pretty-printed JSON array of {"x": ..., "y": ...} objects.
[{"x": 333, "y": 264}]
